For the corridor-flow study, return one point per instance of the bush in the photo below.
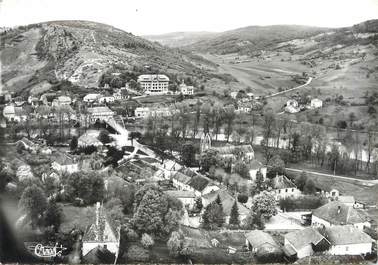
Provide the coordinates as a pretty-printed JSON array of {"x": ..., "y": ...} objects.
[
  {"x": 302, "y": 203},
  {"x": 147, "y": 241},
  {"x": 242, "y": 198},
  {"x": 137, "y": 253}
]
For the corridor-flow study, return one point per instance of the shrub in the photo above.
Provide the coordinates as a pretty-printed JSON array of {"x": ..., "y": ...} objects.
[
  {"x": 242, "y": 198},
  {"x": 302, "y": 203},
  {"x": 147, "y": 241},
  {"x": 137, "y": 253}
]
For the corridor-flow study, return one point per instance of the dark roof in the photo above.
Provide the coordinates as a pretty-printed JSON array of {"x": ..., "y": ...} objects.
[
  {"x": 180, "y": 177},
  {"x": 346, "y": 235},
  {"x": 302, "y": 238},
  {"x": 338, "y": 213},
  {"x": 258, "y": 238},
  {"x": 282, "y": 182},
  {"x": 199, "y": 182},
  {"x": 227, "y": 201},
  {"x": 99, "y": 255}
]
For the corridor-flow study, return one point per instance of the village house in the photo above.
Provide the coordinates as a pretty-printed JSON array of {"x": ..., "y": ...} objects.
[
  {"x": 61, "y": 101},
  {"x": 47, "y": 98},
  {"x": 186, "y": 179},
  {"x": 13, "y": 113},
  {"x": 231, "y": 151},
  {"x": 337, "y": 213},
  {"x": 258, "y": 240},
  {"x": 154, "y": 84},
  {"x": 233, "y": 94},
  {"x": 303, "y": 243},
  {"x": 244, "y": 107},
  {"x": 144, "y": 112},
  {"x": 227, "y": 201},
  {"x": 106, "y": 99},
  {"x": 186, "y": 90},
  {"x": 348, "y": 240},
  {"x": 28, "y": 145},
  {"x": 90, "y": 138},
  {"x": 187, "y": 198},
  {"x": 64, "y": 163},
  {"x": 282, "y": 188},
  {"x": 316, "y": 103},
  {"x": 292, "y": 106},
  {"x": 33, "y": 101},
  {"x": 90, "y": 98},
  {"x": 100, "y": 234},
  {"x": 102, "y": 113}
]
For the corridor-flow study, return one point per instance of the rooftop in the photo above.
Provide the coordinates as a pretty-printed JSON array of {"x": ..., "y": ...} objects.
[
  {"x": 102, "y": 109},
  {"x": 180, "y": 193},
  {"x": 227, "y": 202},
  {"x": 258, "y": 238},
  {"x": 282, "y": 182},
  {"x": 230, "y": 149},
  {"x": 302, "y": 238},
  {"x": 346, "y": 235},
  {"x": 153, "y": 77},
  {"x": 339, "y": 213}
]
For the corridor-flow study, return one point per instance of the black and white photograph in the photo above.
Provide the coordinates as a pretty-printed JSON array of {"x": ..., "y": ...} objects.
[{"x": 188, "y": 132}]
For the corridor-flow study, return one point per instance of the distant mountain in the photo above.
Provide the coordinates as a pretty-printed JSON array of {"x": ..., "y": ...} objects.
[
  {"x": 179, "y": 39},
  {"x": 254, "y": 38},
  {"x": 38, "y": 56}
]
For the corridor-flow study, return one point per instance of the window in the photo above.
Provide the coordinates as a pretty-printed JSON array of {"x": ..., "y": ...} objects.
[
  {"x": 285, "y": 190},
  {"x": 346, "y": 248},
  {"x": 292, "y": 190}
]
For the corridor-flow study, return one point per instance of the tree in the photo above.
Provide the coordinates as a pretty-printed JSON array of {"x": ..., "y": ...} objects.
[
  {"x": 147, "y": 241},
  {"x": 242, "y": 168},
  {"x": 277, "y": 166},
  {"x": 53, "y": 216},
  {"x": 309, "y": 187},
  {"x": 175, "y": 243},
  {"x": 213, "y": 217},
  {"x": 33, "y": 202},
  {"x": 259, "y": 180},
  {"x": 198, "y": 204},
  {"x": 300, "y": 182},
  {"x": 265, "y": 204},
  {"x": 229, "y": 117},
  {"x": 73, "y": 143},
  {"x": 234, "y": 215},
  {"x": 208, "y": 158},
  {"x": 104, "y": 137},
  {"x": 254, "y": 221},
  {"x": 188, "y": 154}
]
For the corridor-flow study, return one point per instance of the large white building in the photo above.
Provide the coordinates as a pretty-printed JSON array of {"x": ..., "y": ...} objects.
[
  {"x": 154, "y": 84},
  {"x": 102, "y": 113}
]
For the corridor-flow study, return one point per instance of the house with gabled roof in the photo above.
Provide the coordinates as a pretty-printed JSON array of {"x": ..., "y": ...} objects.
[
  {"x": 100, "y": 234},
  {"x": 338, "y": 213},
  {"x": 303, "y": 243},
  {"x": 189, "y": 180},
  {"x": 282, "y": 187},
  {"x": 64, "y": 163},
  {"x": 348, "y": 240},
  {"x": 187, "y": 198},
  {"x": 258, "y": 240},
  {"x": 227, "y": 201},
  {"x": 229, "y": 151}
]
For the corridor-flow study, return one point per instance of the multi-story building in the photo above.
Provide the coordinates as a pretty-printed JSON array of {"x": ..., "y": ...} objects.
[{"x": 154, "y": 84}]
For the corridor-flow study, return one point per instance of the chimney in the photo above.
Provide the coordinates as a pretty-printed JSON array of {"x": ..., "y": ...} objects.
[
  {"x": 98, "y": 205},
  {"x": 338, "y": 209}
]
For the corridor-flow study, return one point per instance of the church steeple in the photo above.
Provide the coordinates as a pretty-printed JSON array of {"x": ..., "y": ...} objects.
[{"x": 205, "y": 142}]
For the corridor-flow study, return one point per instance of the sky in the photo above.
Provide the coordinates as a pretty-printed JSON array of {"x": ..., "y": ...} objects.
[{"x": 144, "y": 17}]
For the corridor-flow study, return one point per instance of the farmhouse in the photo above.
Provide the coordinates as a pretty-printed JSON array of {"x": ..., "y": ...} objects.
[
  {"x": 303, "y": 243},
  {"x": 144, "y": 112},
  {"x": 64, "y": 163},
  {"x": 154, "y": 84},
  {"x": 186, "y": 197},
  {"x": 337, "y": 213},
  {"x": 230, "y": 151},
  {"x": 100, "y": 234},
  {"x": 316, "y": 103},
  {"x": 258, "y": 240},
  {"x": 100, "y": 113},
  {"x": 89, "y": 98},
  {"x": 12, "y": 113},
  {"x": 292, "y": 106},
  {"x": 348, "y": 240},
  {"x": 186, "y": 90},
  {"x": 282, "y": 187},
  {"x": 227, "y": 202}
]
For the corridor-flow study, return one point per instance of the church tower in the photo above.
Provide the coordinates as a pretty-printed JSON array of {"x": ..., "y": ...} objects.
[{"x": 205, "y": 142}]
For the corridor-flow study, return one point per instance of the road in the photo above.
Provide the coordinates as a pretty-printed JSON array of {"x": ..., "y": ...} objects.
[
  {"x": 292, "y": 89},
  {"x": 364, "y": 182}
]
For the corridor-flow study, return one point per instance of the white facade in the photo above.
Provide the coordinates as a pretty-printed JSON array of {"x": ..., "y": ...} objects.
[
  {"x": 154, "y": 84},
  {"x": 65, "y": 168},
  {"x": 100, "y": 113},
  {"x": 285, "y": 193},
  {"x": 186, "y": 90},
  {"x": 316, "y": 103},
  {"x": 319, "y": 222},
  {"x": 10, "y": 113},
  {"x": 209, "y": 188},
  {"x": 91, "y": 98},
  {"x": 303, "y": 252},
  {"x": 109, "y": 99},
  {"x": 351, "y": 249},
  {"x": 144, "y": 112}
]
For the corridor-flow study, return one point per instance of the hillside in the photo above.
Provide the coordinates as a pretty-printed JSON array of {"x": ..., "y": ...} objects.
[
  {"x": 252, "y": 39},
  {"x": 180, "y": 39},
  {"x": 38, "y": 56}
]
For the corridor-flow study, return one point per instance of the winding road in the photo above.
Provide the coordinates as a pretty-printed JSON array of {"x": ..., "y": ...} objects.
[{"x": 292, "y": 89}]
